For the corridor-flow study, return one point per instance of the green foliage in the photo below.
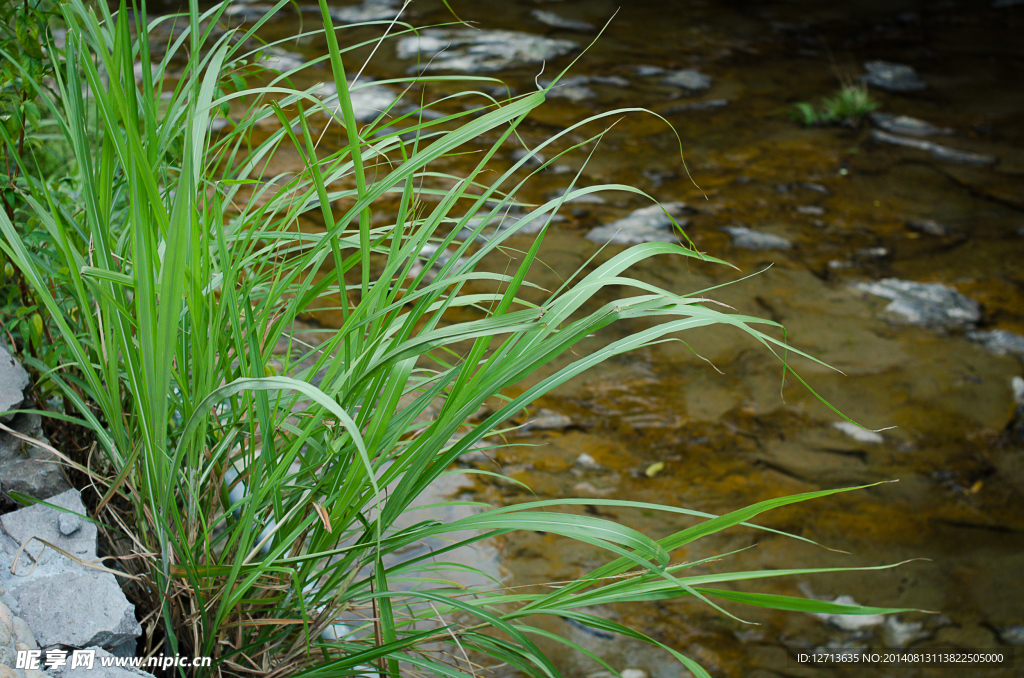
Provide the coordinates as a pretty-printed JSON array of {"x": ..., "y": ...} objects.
[
  {"x": 848, "y": 106},
  {"x": 267, "y": 477}
]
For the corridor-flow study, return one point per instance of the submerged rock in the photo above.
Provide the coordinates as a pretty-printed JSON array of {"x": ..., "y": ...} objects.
[
  {"x": 523, "y": 224},
  {"x": 892, "y": 77},
  {"x": 747, "y": 239},
  {"x": 649, "y": 224},
  {"x": 1012, "y": 635},
  {"x": 474, "y": 51},
  {"x": 904, "y": 124},
  {"x": 901, "y": 634},
  {"x": 850, "y": 622},
  {"x": 13, "y": 382},
  {"x": 368, "y": 101},
  {"x": 924, "y": 304},
  {"x": 282, "y": 61},
  {"x": 557, "y": 21},
  {"x": 688, "y": 79},
  {"x": 859, "y": 434},
  {"x": 937, "y": 150},
  {"x": 929, "y": 227},
  {"x": 1000, "y": 342},
  {"x": 369, "y": 10},
  {"x": 697, "y": 106},
  {"x": 547, "y": 420}
]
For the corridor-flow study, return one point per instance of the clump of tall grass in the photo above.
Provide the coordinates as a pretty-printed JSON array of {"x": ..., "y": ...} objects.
[{"x": 255, "y": 476}]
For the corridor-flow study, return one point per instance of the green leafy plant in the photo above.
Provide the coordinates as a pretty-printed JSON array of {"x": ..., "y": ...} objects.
[
  {"x": 262, "y": 480},
  {"x": 848, "y": 106}
]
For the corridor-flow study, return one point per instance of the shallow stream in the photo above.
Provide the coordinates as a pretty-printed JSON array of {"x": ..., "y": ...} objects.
[{"x": 853, "y": 209}]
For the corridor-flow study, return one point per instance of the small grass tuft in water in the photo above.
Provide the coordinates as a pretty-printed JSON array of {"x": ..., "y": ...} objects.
[{"x": 848, "y": 107}]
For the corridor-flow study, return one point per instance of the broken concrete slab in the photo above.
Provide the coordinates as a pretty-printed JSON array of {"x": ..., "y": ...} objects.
[
  {"x": 13, "y": 382},
  {"x": 26, "y": 468},
  {"x": 62, "y": 599}
]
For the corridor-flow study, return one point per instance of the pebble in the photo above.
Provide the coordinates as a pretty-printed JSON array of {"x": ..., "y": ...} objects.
[
  {"x": 68, "y": 524},
  {"x": 924, "y": 304},
  {"x": 811, "y": 209},
  {"x": 587, "y": 462},
  {"x": 892, "y": 77},
  {"x": 748, "y": 239}
]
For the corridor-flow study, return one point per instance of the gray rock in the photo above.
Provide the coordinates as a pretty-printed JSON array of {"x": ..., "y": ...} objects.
[
  {"x": 649, "y": 224},
  {"x": 892, "y": 77},
  {"x": 937, "y": 150},
  {"x": 98, "y": 670},
  {"x": 13, "y": 382},
  {"x": 924, "y": 304},
  {"x": 27, "y": 468},
  {"x": 747, "y": 239},
  {"x": 1000, "y": 342},
  {"x": 585, "y": 461},
  {"x": 688, "y": 79},
  {"x": 79, "y": 608},
  {"x": 904, "y": 124},
  {"x": 62, "y": 600},
  {"x": 475, "y": 51},
  {"x": 813, "y": 210},
  {"x": 557, "y": 21},
  {"x": 929, "y": 227}
]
